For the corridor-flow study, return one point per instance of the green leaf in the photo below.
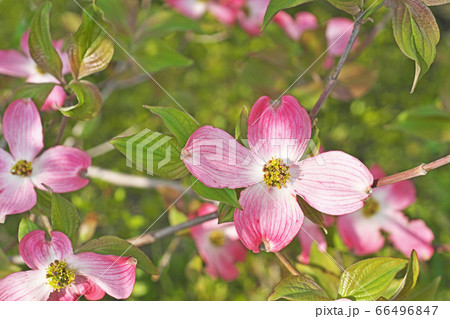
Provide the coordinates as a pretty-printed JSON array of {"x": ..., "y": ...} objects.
[
  {"x": 158, "y": 153},
  {"x": 425, "y": 122},
  {"x": 427, "y": 293},
  {"x": 328, "y": 281},
  {"x": 369, "y": 278},
  {"x": 435, "y": 2},
  {"x": 311, "y": 213},
  {"x": 176, "y": 217},
  {"x": 38, "y": 92},
  {"x": 26, "y": 226},
  {"x": 298, "y": 288},
  {"x": 226, "y": 213},
  {"x": 181, "y": 124},
  {"x": 43, "y": 204},
  {"x": 352, "y": 7},
  {"x": 112, "y": 245},
  {"x": 242, "y": 125},
  {"x": 40, "y": 43},
  {"x": 89, "y": 101},
  {"x": 155, "y": 55},
  {"x": 277, "y": 5},
  {"x": 410, "y": 279},
  {"x": 91, "y": 48},
  {"x": 416, "y": 33},
  {"x": 65, "y": 217},
  {"x": 324, "y": 260},
  {"x": 225, "y": 195}
]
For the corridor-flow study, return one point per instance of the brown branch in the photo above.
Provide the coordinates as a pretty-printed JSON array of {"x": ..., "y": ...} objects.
[
  {"x": 332, "y": 80},
  {"x": 289, "y": 266},
  {"x": 420, "y": 170},
  {"x": 62, "y": 127},
  {"x": 157, "y": 234}
]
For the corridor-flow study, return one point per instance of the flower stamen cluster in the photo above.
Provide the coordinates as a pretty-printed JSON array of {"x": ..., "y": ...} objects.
[
  {"x": 276, "y": 173},
  {"x": 217, "y": 238},
  {"x": 22, "y": 168},
  {"x": 59, "y": 276},
  {"x": 371, "y": 207}
]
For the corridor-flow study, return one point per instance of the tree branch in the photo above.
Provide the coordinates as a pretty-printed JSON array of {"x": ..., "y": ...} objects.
[
  {"x": 420, "y": 170},
  {"x": 153, "y": 236},
  {"x": 285, "y": 261},
  {"x": 332, "y": 80}
]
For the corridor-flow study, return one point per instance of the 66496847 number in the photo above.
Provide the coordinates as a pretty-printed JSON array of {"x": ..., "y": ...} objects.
[{"x": 406, "y": 310}]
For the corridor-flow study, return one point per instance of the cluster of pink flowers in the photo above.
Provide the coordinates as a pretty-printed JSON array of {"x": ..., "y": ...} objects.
[
  {"x": 61, "y": 168},
  {"x": 218, "y": 245},
  {"x": 21, "y": 65},
  {"x": 57, "y": 274}
]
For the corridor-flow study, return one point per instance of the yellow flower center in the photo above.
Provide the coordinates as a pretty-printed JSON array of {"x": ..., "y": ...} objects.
[
  {"x": 217, "y": 238},
  {"x": 276, "y": 173},
  {"x": 22, "y": 168},
  {"x": 371, "y": 207},
  {"x": 59, "y": 276}
]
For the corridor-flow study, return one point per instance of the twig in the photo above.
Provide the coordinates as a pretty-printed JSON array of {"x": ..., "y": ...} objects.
[
  {"x": 62, "y": 127},
  {"x": 332, "y": 80},
  {"x": 106, "y": 147},
  {"x": 157, "y": 234},
  {"x": 420, "y": 170},
  {"x": 128, "y": 180},
  {"x": 289, "y": 266}
]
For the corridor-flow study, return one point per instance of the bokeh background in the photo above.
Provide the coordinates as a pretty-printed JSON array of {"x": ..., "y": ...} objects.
[{"x": 213, "y": 71}]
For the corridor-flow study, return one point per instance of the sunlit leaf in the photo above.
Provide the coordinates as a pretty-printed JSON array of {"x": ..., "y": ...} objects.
[
  {"x": 410, "y": 279},
  {"x": 40, "y": 43},
  {"x": 368, "y": 279},
  {"x": 225, "y": 195},
  {"x": 352, "y": 7},
  {"x": 178, "y": 122},
  {"x": 65, "y": 217},
  {"x": 298, "y": 288},
  {"x": 416, "y": 33},
  {"x": 91, "y": 48},
  {"x": 89, "y": 101},
  {"x": 156, "y": 153},
  {"x": 26, "y": 226},
  {"x": 38, "y": 92}
]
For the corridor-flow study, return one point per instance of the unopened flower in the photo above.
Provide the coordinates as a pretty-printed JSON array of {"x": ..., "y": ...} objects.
[
  {"x": 338, "y": 33},
  {"x": 295, "y": 28},
  {"x": 59, "y": 167},
  {"x": 57, "y": 274},
  {"x": 21, "y": 65},
  {"x": 361, "y": 231},
  {"x": 218, "y": 245},
  {"x": 224, "y": 10},
  {"x": 335, "y": 183}
]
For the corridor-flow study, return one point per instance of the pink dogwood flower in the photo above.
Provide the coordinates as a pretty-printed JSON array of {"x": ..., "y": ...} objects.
[
  {"x": 272, "y": 175},
  {"x": 21, "y": 65},
  {"x": 59, "y": 167},
  {"x": 251, "y": 15},
  {"x": 224, "y": 10},
  {"x": 218, "y": 245},
  {"x": 361, "y": 231},
  {"x": 310, "y": 233},
  {"x": 338, "y": 33},
  {"x": 57, "y": 274},
  {"x": 295, "y": 28}
]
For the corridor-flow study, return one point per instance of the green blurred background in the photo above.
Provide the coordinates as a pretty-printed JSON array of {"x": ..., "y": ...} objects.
[{"x": 213, "y": 71}]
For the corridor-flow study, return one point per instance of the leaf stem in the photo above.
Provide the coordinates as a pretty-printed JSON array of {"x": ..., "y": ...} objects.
[
  {"x": 332, "y": 80},
  {"x": 62, "y": 127},
  {"x": 285, "y": 261},
  {"x": 420, "y": 170}
]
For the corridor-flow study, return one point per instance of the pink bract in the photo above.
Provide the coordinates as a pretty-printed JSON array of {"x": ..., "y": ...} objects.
[
  {"x": 295, "y": 28},
  {"x": 251, "y": 15},
  {"x": 59, "y": 167},
  {"x": 93, "y": 274},
  {"x": 278, "y": 133},
  {"x": 361, "y": 231},
  {"x": 218, "y": 245},
  {"x": 21, "y": 65}
]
